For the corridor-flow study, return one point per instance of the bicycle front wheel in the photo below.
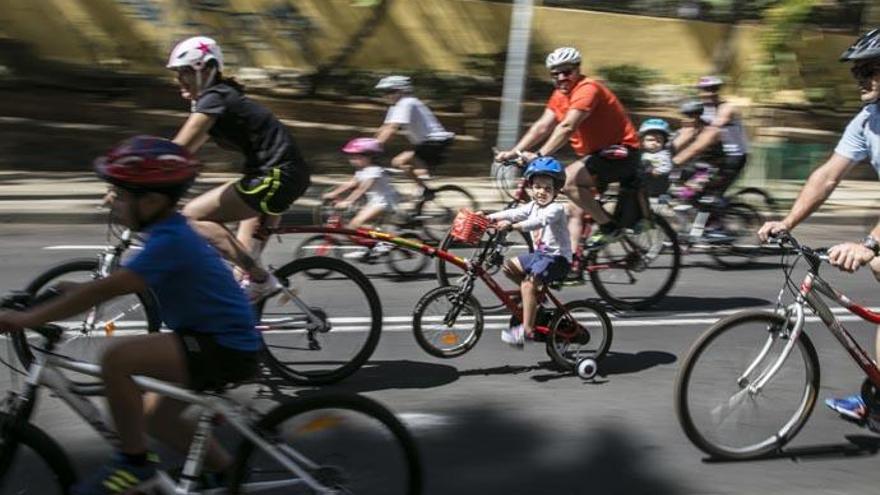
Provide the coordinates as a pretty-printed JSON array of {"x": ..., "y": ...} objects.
[
  {"x": 583, "y": 330},
  {"x": 447, "y": 323},
  {"x": 320, "y": 331},
  {"x": 639, "y": 269},
  {"x": 138, "y": 313},
  {"x": 342, "y": 444},
  {"x": 30, "y": 461},
  {"x": 319, "y": 245},
  {"x": 438, "y": 209},
  {"x": 720, "y": 401}
]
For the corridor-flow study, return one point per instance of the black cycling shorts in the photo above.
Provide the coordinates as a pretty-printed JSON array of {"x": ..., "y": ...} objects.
[
  {"x": 272, "y": 192},
  {"x": 211, "y": 366},
  {"x": 432, "y": 153},
  {"x": 628, "y": 171}
]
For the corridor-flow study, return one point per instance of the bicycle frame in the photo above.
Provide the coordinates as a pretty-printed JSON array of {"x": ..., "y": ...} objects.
[
  {"x": 46, "y": 371},
  {"x": 811, "y": 289}
]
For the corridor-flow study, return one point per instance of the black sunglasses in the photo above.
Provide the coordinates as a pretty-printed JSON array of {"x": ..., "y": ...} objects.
[
  {"x": 864, "y": 71},
  {"x": 563, "y": 72}
]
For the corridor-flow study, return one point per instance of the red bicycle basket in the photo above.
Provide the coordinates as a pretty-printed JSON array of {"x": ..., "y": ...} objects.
[{"x": 468, "y": 227}]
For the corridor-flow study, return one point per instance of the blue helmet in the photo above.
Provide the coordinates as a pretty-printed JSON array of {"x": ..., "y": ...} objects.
[
  {"x": 549, "y": 166},
  {"x": 658, "y": 125}
]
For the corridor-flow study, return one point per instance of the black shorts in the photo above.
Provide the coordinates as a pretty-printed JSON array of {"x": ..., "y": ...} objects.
[
  {"x": 432, "y": 153},
  {"x": 211, "y": 366},
  {"x": 273, "y": 191},
  {"x": 726, "y": 175},
  {"x": 628, "y": 171}
]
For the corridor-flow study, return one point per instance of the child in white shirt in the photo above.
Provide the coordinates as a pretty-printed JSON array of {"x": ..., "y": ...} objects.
[
  {"x": 548, "y": 223},
  {"x": 369, "y": 180}
]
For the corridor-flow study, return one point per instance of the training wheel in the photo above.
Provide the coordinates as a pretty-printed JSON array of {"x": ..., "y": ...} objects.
[{"x": 587, "y": 368}]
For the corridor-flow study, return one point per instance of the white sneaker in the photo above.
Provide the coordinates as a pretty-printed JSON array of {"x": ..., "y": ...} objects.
[
  {"x": 515, "y": 336},
  {"x": 357, "y": 254},
  {"x": 257, "y": 291},
  {"x": 382, "y": 248}
]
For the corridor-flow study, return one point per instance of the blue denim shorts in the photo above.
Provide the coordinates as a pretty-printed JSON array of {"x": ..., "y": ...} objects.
[{"x": 544, "y": 267}]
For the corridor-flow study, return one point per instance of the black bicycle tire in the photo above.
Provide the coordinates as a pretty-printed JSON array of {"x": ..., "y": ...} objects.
[
  {"x": 743, "y": 210},
  {"x": 393, "y": 262},
  {"x": 352, "y": 402},
  {"x": 682, "y": 381},
  {"x": 648, "y": 301},
  {"x": 27, "y": 434},
  {"x": 417, "y": 326},
  {"x": 90, "y": 265},
  {"x": 472, "y": 204},
  {"x": 605, "y": 321},
  {"x": 370, "y": 344},
  {"x": 299, "y": 252},
  {"x": 443, "y": 277}
]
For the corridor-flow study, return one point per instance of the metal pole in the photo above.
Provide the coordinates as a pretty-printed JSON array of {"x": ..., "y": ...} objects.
[{"x": 515, "y": 72}]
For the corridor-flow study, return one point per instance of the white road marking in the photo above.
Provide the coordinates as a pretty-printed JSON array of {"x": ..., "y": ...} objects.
[
  {"x": 424, "y": 421},
  {"x": 491, "y": 322}
]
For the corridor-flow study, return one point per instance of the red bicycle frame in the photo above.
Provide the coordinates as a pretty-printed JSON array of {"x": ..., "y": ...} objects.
[{"x": 812, "y": 284}]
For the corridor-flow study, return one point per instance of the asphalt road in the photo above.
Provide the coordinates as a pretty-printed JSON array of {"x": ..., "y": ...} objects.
[{"x": 498, "y": 420}]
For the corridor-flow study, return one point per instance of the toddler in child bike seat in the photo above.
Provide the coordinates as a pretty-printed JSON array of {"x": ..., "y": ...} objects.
[
  {"x": 548, "y": 224},
  {"x": 371, "y": 181}
]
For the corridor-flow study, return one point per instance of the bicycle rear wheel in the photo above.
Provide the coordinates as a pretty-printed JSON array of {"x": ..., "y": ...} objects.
[
  {"x": 348, "y": 443},
  {"x": 740, "y": 223},
  {"x": 138, "y": 313},
  {"x": 407, "y": 262},
  {"x": 584, "y": 332},
  {"x": 436, "y": 212},
  {"x": 716, "y": 404},
  {"x": 515, "y": 244},
  {"x": 639, "y": 269},
  {"x": 320, "y": 331}
]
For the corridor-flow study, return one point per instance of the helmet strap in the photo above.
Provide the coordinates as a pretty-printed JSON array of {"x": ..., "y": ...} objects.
[{"x": 201, "y": 84}]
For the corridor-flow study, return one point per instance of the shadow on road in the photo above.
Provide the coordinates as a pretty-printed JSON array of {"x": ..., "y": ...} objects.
[
  {"x": 486, "y": 450},
  {"x": 619, "y": 363},
  {"x": 373, "y": 376},
  {"x": 858, "y": 446}
]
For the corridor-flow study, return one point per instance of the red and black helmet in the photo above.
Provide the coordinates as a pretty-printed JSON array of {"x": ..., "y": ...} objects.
[{"x": 149, "y": 163}]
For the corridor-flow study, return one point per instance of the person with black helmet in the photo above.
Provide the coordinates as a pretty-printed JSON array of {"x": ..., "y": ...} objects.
[
  {"x": 724, "y": 128},
  {"x": 213, "y": 340},
  {"x": 860, "y": 142}
]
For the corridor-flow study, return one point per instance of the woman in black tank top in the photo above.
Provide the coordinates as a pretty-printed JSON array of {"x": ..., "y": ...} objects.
[{"x": 274, "y": 172}]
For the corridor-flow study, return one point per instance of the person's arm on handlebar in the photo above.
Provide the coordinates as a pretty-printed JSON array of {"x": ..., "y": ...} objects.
[
  {"x": 819, "y": 186},
  {"x": 537, "y": 132},
  {"x": 75, "y": 300}
]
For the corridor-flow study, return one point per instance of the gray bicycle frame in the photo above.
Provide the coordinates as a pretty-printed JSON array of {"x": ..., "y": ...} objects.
[
  {"x": 812, "y": 288},
  {"x": 46, "y": 371}
]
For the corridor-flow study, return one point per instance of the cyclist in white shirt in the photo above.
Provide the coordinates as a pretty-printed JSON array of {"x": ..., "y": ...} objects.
[
  {"x": 860, "y": 142},
  {"x": 425, "y": 133}
]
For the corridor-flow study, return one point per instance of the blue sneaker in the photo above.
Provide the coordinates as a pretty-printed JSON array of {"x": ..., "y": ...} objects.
[
  {"x": 852, "y": 407},
  {"x": 117, "y": 476}
]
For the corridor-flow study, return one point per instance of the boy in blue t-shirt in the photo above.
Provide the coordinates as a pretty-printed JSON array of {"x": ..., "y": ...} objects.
[{"x": 214, "y": 339}]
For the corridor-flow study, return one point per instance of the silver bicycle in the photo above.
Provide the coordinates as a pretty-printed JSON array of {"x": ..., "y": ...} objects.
[
  {"x": 319, "y": 444},
  {"x": 750, "y": 382}
]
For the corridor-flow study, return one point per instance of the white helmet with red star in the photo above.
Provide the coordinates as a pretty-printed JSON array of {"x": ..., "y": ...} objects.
[{"x": 195, "y": 52}]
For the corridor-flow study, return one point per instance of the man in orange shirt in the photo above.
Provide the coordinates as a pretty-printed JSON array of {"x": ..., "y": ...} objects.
[{"x": 589, "y": 116}]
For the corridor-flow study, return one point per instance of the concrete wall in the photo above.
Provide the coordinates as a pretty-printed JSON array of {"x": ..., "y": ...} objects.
[{"x": 413, "y": 34}]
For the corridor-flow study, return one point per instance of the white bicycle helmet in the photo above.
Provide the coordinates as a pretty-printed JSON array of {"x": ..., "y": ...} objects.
[
  {"x": 195, "y": 52},
  {"x": 565, "y": 55},
  {"x": 395, "y": 83}
]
